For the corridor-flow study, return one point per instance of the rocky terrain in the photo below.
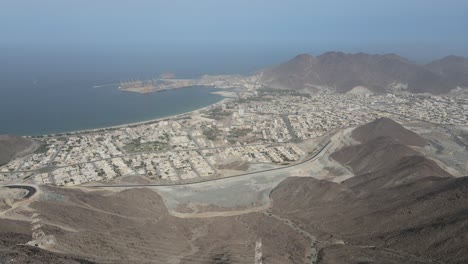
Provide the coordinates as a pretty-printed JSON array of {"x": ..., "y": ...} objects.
[
  {"x": 371, "y": 73},
  {"x": 14, "y": 146},
  {"x": 386, "y": 127},
  {"x": 134, "y": 226},
  {"x": 453, "y": 68},
  {"x": 401, "y": 207}
]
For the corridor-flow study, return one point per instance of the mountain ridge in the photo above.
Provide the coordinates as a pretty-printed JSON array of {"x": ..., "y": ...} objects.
[
  {"x": 386, "y": 127},
  {"x": 342, "y": 72},
  {"x": 398, "y": 202}
]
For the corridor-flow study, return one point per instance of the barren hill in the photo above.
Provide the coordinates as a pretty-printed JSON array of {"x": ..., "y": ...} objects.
[
  {"x": 401, "y": 207},
  {"x": 385, "y": 150},
  {"x": 300, "y": 72},
  {"x": 14, "y": 146},
  {"x": 378, "y": 73},
  {"x": 374, "y": 155},
  {"x": 453, "y": 68},
  {"x": 78, "y": 225},
  {"x": 388, "y": 128},
  {"x": 403, "y": 171},
  {"x": 421, "y": 222},
  {"x": 385, "y": 163}
]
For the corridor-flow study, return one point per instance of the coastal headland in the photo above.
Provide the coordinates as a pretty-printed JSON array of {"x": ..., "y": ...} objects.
[{"x": 163, "y": 84}]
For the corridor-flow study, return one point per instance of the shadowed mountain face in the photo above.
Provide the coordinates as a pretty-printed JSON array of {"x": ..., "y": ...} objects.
[
  {"x": 386, "y": 127},
  {"x": 420, "y": 222},
  {"x": 342, "y": 72},
  {"x": 14, "y": 146},
  {"x": 385, "y": 163},
  {"x": 384, "y": 159},
  {"x": 401, "y": 207},
  {"x": 369, "y": 157},
  {"x": 453, "y": 68}
]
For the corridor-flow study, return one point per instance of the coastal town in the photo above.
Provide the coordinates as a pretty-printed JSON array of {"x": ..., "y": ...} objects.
[{"x": 257, "y": 129}]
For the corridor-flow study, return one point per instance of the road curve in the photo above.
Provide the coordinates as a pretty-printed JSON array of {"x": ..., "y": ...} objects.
[{"x": 31, "y": 190}]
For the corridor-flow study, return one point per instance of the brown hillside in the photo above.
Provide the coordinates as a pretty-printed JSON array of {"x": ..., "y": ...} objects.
[
  {"x": 421, "y": 222},
  {"x": 134, "y": 226},
  {"x": 404, "y": 170},
  {"x": 386, "y": 127},
  {"x": 342, "y": 72},
  {"x": 401, "y": 207},
  {"x": 374, "y": 155},
  {"x": 453, "y": 68},
  {"x": 14, "y": 146}
]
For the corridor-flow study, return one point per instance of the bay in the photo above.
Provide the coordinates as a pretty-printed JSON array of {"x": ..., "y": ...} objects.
[{"x": 43, "y": 109}]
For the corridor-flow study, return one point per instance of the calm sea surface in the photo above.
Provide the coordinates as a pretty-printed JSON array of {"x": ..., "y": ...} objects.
[
  {"x": 40, "y": 109},
  {"x": 49, "y": 91}
]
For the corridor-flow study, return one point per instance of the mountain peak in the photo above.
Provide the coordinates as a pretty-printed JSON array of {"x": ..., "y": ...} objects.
[
  {"x": 394, "y": 56},
  {"x": 386, "y": 127},
  {"x": 342, "y": 72},
  {"x": 303, "y": 56},
  {"x": 333, "y": 54}
]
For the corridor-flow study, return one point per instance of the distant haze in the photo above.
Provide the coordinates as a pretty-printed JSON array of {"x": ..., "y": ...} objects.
[{"x": 211, "y": 36}]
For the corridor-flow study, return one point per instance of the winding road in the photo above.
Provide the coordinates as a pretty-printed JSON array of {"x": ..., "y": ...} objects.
[{"x": 31, "y": 190}]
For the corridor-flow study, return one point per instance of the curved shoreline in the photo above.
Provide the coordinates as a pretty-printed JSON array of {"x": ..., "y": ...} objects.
[{"x": 102, "y": 129}]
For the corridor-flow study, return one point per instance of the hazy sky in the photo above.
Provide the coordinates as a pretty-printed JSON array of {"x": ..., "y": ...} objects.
[{"x": 419, "y": 29}]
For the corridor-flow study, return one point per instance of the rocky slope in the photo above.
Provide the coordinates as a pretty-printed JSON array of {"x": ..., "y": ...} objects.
[
  {"x": 420, "y": 222},
  {"x": 14, "y": 146},
  {"x": 70, "y": 225},
  {"x": 386, "y": 127},
  {"x": 378, "y": 73},
  {"x": 401, "y": 207},
  {"x": 453, "y": 68}
]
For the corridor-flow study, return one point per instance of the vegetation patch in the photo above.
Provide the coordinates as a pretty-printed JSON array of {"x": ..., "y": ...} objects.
[
  {"x": 42, "y": 149},
  {"x": 211, "y": 133},
  {"x": 218, "y": 114},
  {"x": 239, "y": 132},
  {"x": 138, "y": 146},
  {"x": 281, "y": 92}
]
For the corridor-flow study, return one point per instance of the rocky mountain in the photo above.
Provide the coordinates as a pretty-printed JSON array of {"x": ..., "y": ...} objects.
[
  {"x": 367, "y": 157},
  {"x": 86, "y": 225},
  {"x": 14, "y": 146},
  {"x": 386, "y": 127},
  {"x": 386, "y": 148},
  {"x": 453, "y": 68},
  {"x": 377, "y": 73},
  {"x": 401, "y": 207},
  {"x": 420, "y": 222}
]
